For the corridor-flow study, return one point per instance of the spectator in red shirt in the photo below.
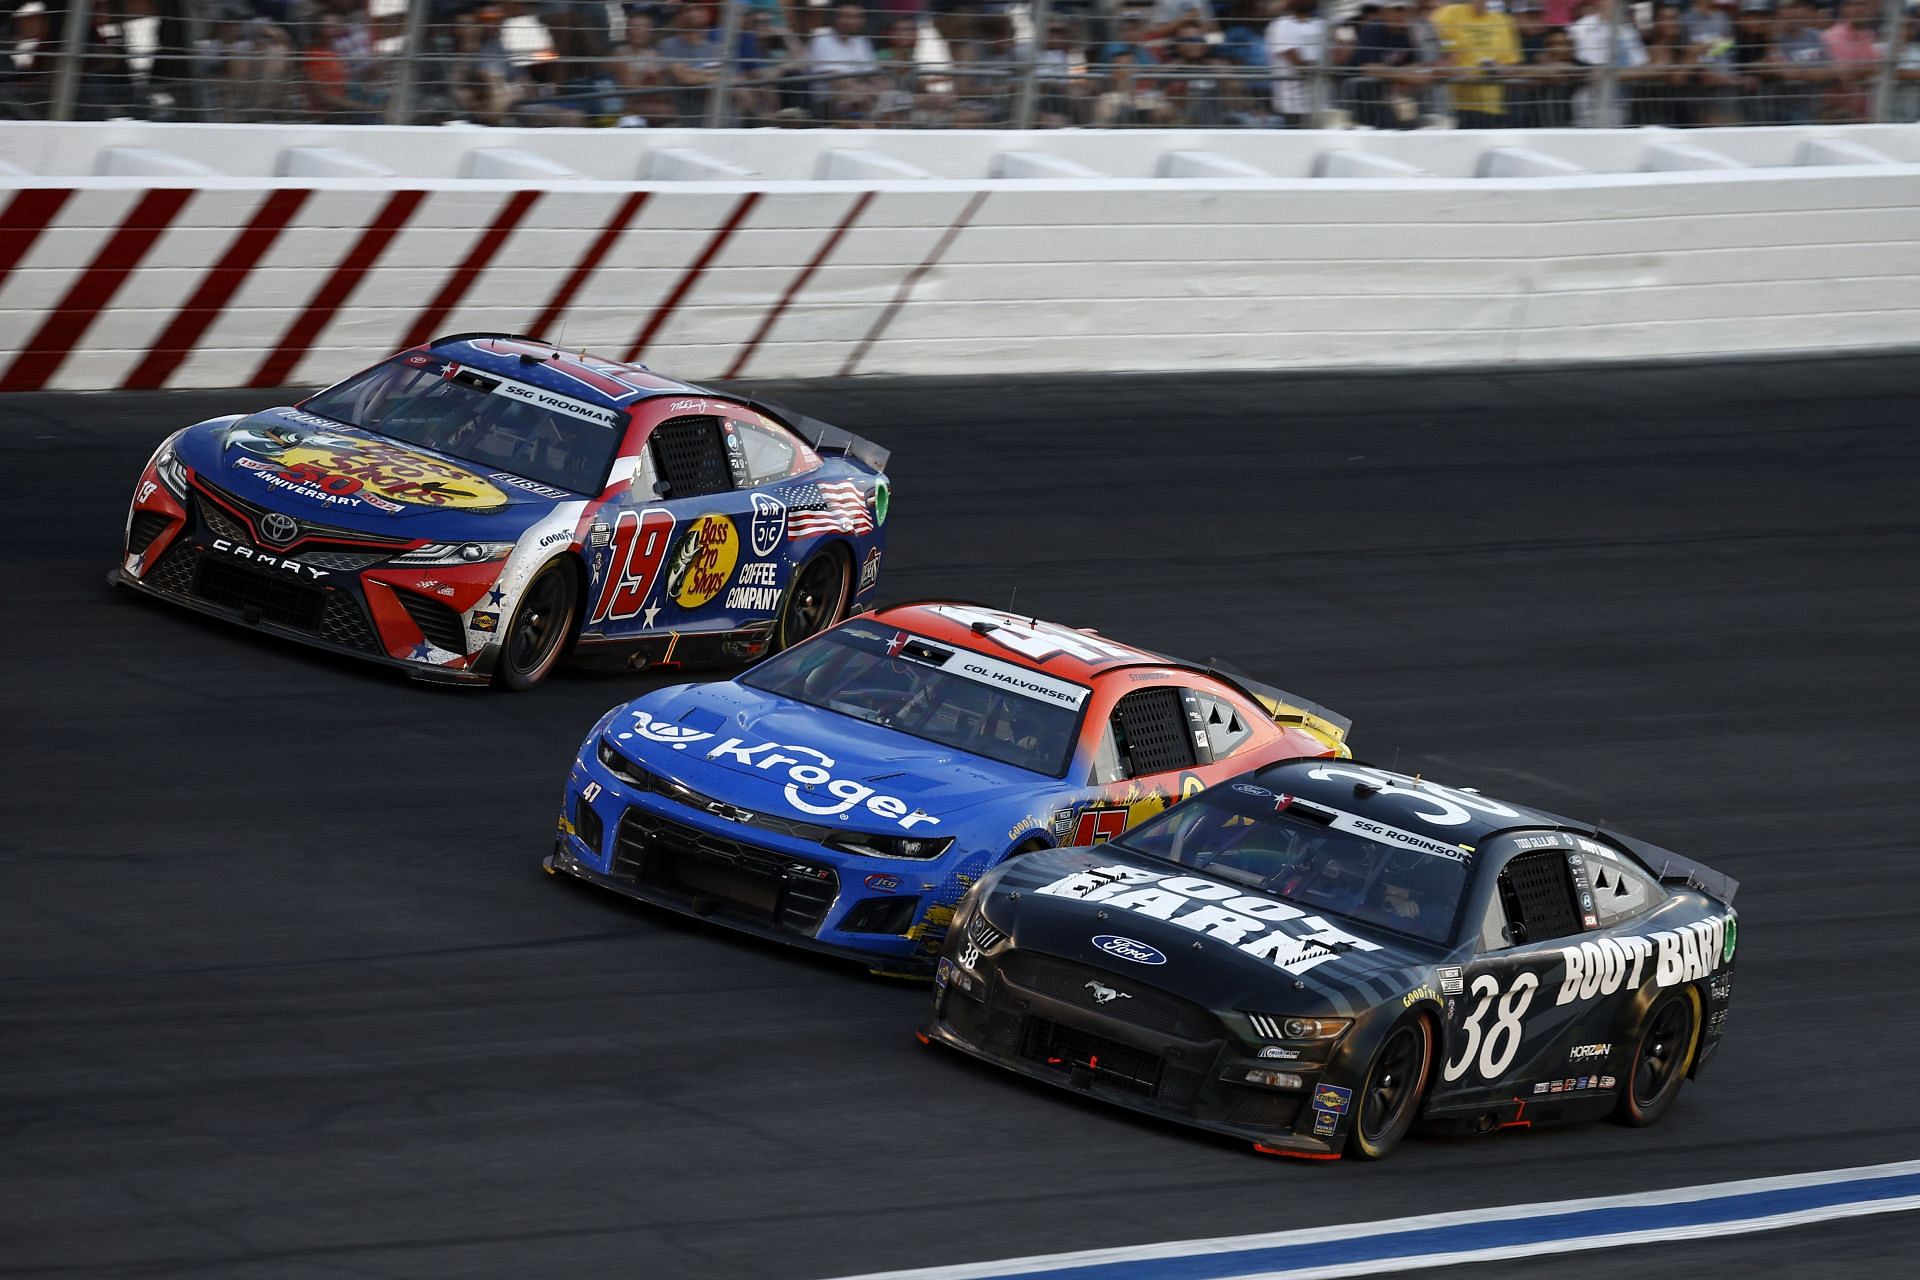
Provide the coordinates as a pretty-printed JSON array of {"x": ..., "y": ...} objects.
[{"x": 1855, "y": 57}]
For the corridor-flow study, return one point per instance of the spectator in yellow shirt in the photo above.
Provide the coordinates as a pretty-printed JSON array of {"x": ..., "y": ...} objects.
[{"x": 1478, "y": 41}]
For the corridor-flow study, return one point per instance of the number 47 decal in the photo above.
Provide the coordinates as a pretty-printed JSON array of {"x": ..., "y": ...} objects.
[
  {"x": 1097, "y": 826},
  {"x": 1493, "y": 1051}
]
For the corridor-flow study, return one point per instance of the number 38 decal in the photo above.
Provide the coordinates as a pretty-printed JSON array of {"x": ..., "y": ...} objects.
[{"x": 1491, "y": 1050}]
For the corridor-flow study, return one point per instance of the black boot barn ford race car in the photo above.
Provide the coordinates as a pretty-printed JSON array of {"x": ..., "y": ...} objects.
[
  {"x": 476, "y": 508},
  {"x": 1318, "y": 954}
]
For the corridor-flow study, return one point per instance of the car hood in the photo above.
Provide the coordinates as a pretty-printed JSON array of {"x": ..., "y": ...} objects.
[
  {"x": 312, "y": 468},
  {"x": 771, "y": 754},
  {"x": 1072, "y": 903}
]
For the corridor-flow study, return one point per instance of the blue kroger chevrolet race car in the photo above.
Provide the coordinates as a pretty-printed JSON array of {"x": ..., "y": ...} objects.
[
  {"x": 479, "y": 506},
  {"x": 843, "y": 795}
]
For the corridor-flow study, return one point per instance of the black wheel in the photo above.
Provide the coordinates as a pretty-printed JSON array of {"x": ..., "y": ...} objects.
[
  {"x": 814, "y": 601},
  {"x": 1396, "y": 1081},
  {"x": 540, "y": 627},
  {"x": 1659, "y": 1065}
]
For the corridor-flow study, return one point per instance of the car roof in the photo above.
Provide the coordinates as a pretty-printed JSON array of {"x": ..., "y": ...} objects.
[
  {"x": 1397, "y": 800},
  {"x": 1035, "y": 643},
  {"x": 598, "y": 380}
]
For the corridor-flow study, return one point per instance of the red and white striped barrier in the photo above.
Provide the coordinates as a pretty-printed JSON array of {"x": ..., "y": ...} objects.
[
  {"x": 192, "y": 280},
  {"x": 235, "y": 285}
]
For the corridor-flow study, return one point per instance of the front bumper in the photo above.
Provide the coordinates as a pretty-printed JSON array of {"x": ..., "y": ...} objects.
[
  {"x": 1176, "y": 1069},
  {"x": 562, "y": 861},
  {"x": 747, "y": 877},
  {"x": 343, "y": 597},
  {"x": 478, "y": 673}
]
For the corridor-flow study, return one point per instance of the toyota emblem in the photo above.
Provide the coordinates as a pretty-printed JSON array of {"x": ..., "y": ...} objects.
[{"x": 275, "y": 527}]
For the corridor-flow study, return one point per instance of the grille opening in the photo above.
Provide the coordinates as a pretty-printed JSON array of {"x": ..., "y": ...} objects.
[
  {"x": 333, "y": 616},
  {"x": 340, "y": 561},
  {"x": 344, "y": 622},
  {"x": 174, "y": 572},
  {"x": 145, "y": 527},
  {"x": 222, "y": 522},
  {"x": 439, "y": 624},
  {"x": 588, "y": 826},
  {"x": 717, "y": 875},
  {"x": 1068, "y": 1049},
  {"x": 881, "y": 915},
  {"x": 753, "y": 895},
  {"x": 279, "y": 598},
  {"x": 1139, "y": 1004},
  {"x": 1264, "y": 1110},
  {"x": 1150, "y": 728},
  {"x": 691, "y": 457}
]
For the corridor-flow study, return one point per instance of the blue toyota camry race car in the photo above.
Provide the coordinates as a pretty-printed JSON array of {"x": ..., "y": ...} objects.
[
  {"x": 842, "y": 795},
  {"x": 477, "y": 507}
]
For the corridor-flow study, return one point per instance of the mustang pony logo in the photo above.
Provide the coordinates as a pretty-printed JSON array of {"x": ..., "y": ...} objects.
[{"x": 1103, "y": 994}]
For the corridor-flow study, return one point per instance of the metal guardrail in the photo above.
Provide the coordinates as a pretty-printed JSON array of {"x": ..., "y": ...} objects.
[{"x": 1040, "y": 63}]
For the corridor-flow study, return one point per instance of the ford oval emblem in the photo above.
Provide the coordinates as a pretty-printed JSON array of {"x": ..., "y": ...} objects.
[{"x": 1128, "y": 949}]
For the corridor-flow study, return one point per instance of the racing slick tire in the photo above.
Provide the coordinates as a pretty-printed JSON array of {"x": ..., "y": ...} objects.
[
  {"x": 815, "y": 601},
  {"x": 1659, "y": 1064},
  {"x": 541, "y": 624},
  {"x": 1389, "y": 1100}
]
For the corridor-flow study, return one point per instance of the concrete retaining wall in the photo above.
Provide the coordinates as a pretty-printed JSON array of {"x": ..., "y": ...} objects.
[{"x": 147, "y": 256}]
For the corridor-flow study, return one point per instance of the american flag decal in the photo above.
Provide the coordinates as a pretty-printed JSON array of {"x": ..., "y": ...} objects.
[{"x": 834, "y": 507}]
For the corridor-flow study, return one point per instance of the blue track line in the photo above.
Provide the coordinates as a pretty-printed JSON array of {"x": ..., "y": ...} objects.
[
  {"x": 1468, "y": 1237},
  {"x": 1366, "y": 1248}
]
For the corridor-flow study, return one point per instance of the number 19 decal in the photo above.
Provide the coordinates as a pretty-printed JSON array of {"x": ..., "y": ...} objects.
[
  {"x": 639, "y": 545},
  {"x": 1493, "y": 1051}
]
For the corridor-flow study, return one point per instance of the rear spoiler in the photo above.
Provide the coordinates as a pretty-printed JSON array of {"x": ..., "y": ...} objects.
[
  {"x": 1287, "y": 708},
  {"x": 1669, "y": 867},
  {"x": 1675, "y": 868},
  {"x": 1281, "y": 706},
  {"x": 826, "y": 438}
]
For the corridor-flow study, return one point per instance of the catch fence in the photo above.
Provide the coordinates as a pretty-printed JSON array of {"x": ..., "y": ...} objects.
[{"x": 964, "y": 63}]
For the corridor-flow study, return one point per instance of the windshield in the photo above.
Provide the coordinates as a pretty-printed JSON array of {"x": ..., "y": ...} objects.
[
  {"x": 952, "y": 696},
  {"x": 1251, "y": 835},
  {"x": 478, "y": 418}
]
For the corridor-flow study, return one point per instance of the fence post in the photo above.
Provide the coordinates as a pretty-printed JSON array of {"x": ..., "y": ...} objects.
[
  {"x": 1895, "y": 12},
  {"x": 1606, "y": 116},
  {"x": 400, "y": 105},
  {"x": 722, "y": 91},
  {"x": 1041, "y": 15},
  {"x": 1320, "y": 78},
  {"x": 75, "y": 38}
]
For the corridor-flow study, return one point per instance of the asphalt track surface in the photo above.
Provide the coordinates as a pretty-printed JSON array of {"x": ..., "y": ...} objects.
[{"x": 283, "y": 993}]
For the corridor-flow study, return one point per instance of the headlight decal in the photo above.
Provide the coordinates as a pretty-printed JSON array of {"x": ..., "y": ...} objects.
[{"x": 455, "y": 553}]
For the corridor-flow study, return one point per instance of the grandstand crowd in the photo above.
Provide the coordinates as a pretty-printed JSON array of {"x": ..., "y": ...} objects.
[{"x": 1383, "y": 64}]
